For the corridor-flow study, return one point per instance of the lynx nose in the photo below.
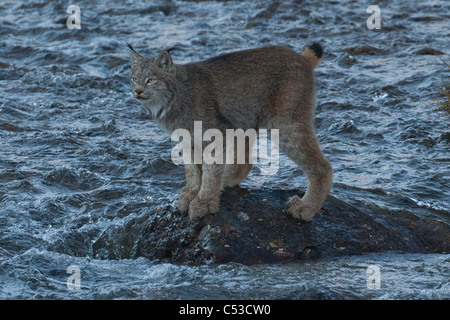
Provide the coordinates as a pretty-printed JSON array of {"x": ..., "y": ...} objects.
[{"x": 138, "y": 91}]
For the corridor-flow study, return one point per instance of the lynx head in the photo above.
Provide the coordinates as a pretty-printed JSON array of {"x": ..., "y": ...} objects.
[{"x": 152, "y": 80}]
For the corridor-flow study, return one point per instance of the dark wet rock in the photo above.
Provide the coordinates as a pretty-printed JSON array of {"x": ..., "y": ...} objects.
[
  {"x": 429, "y": 51},
  {"x": 10, "y": 127},
  {"x": 269, "y": 12},
  {"x": 167, "y": 7},
  {"x": 265, "y": 14},
  {"x": 393, "y": 28},
  {"x": 445, "y": 137},
  {"x": 427, "y": 19},
  {"x": 355, "y": 51},
  {"x": 297, "y": 33},
  {"x": 429, "y": 142},
  {"x": 346, "y": 61},
  {"x": 253, "y": 227}
]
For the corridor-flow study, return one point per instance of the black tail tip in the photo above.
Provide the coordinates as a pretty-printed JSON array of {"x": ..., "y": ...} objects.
[
  {"x": 317, "y": 49},
  {"x": 129, "y": 46}
]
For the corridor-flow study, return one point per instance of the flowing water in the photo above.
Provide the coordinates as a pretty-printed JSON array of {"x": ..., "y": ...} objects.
[{"x": 79, "y": 157}]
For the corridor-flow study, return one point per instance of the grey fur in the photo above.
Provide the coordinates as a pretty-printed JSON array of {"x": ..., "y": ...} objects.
[{"x": 270, "y": 87}]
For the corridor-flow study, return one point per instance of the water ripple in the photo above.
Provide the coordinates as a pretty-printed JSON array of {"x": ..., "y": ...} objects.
[{"x": 81, "y": 163}]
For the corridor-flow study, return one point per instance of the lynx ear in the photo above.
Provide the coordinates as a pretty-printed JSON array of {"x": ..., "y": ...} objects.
[
  {"x": 164, "y": 60},
  {"x": 135, "y": 57}
]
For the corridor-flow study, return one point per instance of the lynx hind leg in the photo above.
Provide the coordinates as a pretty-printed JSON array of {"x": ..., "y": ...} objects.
[
  {"x": 235, "y": 173},
  {"x": 304, "y": 149}
]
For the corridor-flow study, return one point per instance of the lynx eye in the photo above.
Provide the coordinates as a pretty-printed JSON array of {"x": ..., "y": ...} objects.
[
  {"x": 151, "y": 80},
  {"x": 134, "y": 79}
]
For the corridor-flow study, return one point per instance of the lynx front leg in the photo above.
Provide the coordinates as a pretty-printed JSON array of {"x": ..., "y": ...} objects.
[
  {"x": 190, "y": 190},
  {"x": 208, "y": 198}
]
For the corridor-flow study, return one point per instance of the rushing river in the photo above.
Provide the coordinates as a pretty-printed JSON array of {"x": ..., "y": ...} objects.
[{"x": 79, "y": 156}]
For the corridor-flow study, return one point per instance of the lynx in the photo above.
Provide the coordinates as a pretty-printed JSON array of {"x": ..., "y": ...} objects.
[{"x": 268, "y": 87}]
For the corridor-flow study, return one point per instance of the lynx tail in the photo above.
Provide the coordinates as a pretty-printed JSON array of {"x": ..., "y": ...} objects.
[{"x": 313, "y": 53}]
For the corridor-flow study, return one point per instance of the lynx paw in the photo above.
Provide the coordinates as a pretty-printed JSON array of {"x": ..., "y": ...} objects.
[
  {"x": 201, "y": 207},
  {"x": 185, "y": 198},
  {"x": 298, "y": 209}
]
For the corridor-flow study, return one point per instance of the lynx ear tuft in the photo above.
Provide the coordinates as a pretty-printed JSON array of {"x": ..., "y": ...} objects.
[
  {"x": 164, "y": 61},
  {"x": 135, "y": 57}
]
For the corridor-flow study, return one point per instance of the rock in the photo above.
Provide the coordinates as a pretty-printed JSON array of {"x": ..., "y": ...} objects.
[
  {"x": 269, "y": 12},
  {"x": 427, "y": 19},
  {"x": 355, "y": 51},
  {"x": 252, "y": 227},
  {"x": 263, "y": 15},
  {"x": 428, "y": 51}
]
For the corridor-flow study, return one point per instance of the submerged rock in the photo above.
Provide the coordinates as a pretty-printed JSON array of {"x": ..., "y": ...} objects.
[
  {"x": 356, "y": 51},
  {"x": 429, "y": 51},
  {"x": 252, "y": 227}
]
